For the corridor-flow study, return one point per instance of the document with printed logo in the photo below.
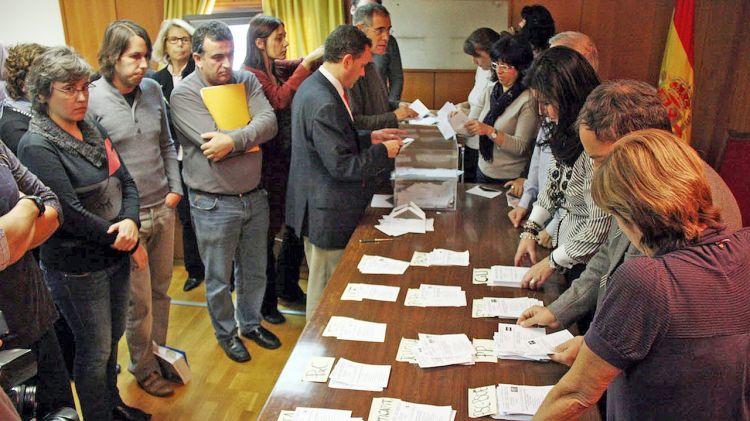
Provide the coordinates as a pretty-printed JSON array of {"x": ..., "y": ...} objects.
[
  {"x": 518, "y": 402},
  {"x": 357, "y": 376},
  {"x": 507, "y": 276}
]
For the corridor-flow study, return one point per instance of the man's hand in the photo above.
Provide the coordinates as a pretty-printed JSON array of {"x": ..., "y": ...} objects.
[
  {"x": 405, "y": 113},
  {"x": 393, "y": 146},
  {"x": 537, "y": 275},
  {"x": 525, "y": 247},
  {"x": 172, "y": 200},
  {"x": 544, "y": 239},
  {"x": 127, "y": 234},
  {"x": 380, "y": 136},
  {"x": 515, "y": 187},
  {"x": 217, "y": 145},
  {"x": 567, "y": 352},
  {"x": 516, "y": 215},
  {"x": 538, "y": 316},
  {"x": 140, "y": 257}
]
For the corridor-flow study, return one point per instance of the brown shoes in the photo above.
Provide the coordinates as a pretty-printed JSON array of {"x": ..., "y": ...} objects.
[{"x": 157, "y": 385}]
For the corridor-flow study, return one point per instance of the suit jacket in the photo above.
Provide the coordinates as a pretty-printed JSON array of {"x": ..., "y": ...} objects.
[
  {"x": 586, "y": 293},
  {"x": 334, "y": 168},
  {"x": 368, "y": 99}
]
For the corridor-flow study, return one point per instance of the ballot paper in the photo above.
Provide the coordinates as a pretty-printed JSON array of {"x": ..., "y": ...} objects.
[
  {"x": 318, "y": 369},
  {"x": 391, "y": 409},
  {"x": 317, "y": 414},
  {"x": 405, "y": 143},
  {"x": 482, "y": 401},
  {"x": 485, "y": 350},
  {"x": 480, "y": 276},
  {"x": 545, "y": 345},
  {"x": 440, "y": 257},
  {"x": 372, "y": 265},
  {"x": 513, "y": 342},
  {"x": 506, "y": 276},
  {"x": 435, "y": 296},
  {"x": 519, "y": 402},
  {"x": 407, "y": 351},
  {"x": 359, "y": 292},
  {"x": 487, "y": 192},
  {"x": 443, "y": 350},
  {"x": 513, "y": 201},
  {"x": 348, "y": 329},
  {"x": 406, "y": 218},
  {"x": 419, "y": 107},
  {"x": 504, "y": 308},
  {"x": 357, "y": 376},
  {"x": 382, "y": 201}
]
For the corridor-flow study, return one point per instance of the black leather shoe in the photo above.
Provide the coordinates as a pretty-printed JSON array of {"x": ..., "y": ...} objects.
[
  {"x": 235, "y": 349},
  {"x": 191, "y": 283},
  {"x": 263, "y": 337},
  {"x": 122, "y": 412},
  {"x": 293, "y": 300},
  {"x": 274, "y": 317}
]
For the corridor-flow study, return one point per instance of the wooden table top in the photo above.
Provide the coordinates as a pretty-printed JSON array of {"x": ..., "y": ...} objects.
[{"x": 479, "y": 225}]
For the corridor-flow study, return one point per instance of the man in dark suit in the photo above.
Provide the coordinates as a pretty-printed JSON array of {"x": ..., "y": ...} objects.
[{"x": 334, "y": 167}]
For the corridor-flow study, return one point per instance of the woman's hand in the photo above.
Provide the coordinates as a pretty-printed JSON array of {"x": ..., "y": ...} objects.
[
  {"x": 525, "y": 247},
  {"x": 516, "y": 215},
  {"x": 537, "y": 275},
  {"x": 314, "y": 56},
  {"x": 127, "y": 234},
  {"x": 475, "y": 128},
  {"x": 538, "y": 316},
  {"x": 544, "y": 239},
  {"x": 567, "y": 352},
  {"x": 515, "y": 187}
]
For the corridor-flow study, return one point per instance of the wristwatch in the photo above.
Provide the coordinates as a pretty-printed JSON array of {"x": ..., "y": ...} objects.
[
  {"x": 493, "y": 134},
  {"x": 37, "y": 201}
]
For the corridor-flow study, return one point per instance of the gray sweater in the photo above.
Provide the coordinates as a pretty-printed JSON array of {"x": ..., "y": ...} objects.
[
  {"x": 141, "y": 136},
  {"x": 238, "y": 172},
  {"x": 368, "y": 100}
]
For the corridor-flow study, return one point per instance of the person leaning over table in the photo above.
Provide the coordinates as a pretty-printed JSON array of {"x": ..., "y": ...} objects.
[
  {"x": 86, "y": 263},
  {"x": 561, "y": 79},
  {"x": 674, "y": 341},
  {"x": 505, "y": 120}
]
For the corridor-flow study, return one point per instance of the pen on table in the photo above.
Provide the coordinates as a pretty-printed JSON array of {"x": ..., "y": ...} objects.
[{"x": 374, "y": 240}]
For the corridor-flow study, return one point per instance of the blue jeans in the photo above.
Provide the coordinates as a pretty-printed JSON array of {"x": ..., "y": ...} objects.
[
  {"x": 232, "y": 228},
  {"x": 94, "y": 304},
  {"x": 483, "y": 178}
]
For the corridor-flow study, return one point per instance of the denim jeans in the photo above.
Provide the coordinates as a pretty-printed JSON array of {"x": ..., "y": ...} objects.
[
  {"x": 190, "y": 255},
  {"x": 148, "y": 310},
  {"x": 486, "y": 179},
  {"x": 94, "y": 305},
  {"x": 232, "y": 228}
]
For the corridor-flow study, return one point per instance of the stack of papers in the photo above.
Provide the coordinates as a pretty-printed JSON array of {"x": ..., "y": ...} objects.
[
  {"x": 348, "y": 329},
  {"x": 359, "y": 292},
  {"x": 435, "y": 296},
  {"x": 317, "y": 414},
  {"x": 442, "y": 350},
  {"x": 390, "y": 409},
  {"x": 513, "y": 342},
  {"x": 357, "y": 376},
  {"x": 484, "y": 351},
  {"x": 504, "y": 308},
  {"x": 506, "y": 276},
  {"x": 404, "y": 219},
  {"x": 440, "y": 257},
  {"x": 517, "y": 402},
  {"x": 372, "y": 265}
]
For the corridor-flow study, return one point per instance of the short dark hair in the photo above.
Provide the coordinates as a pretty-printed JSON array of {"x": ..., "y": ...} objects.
[
  {"x": 363, "y": 14},
  {"x": 539, "y": 26},
  {"x": 345, "y": 39},
  {"x": 618, "y": 107},
  {"x": 116, "y": 39},
  {"x": 214, "y": 30},
  {"x": 480, "y": 40},
  {"x": 261, "y": 27},
  {"x": 57, "y": 64},
  {"x": 512, "y": 50},
  {"x": 564, "y": 78}
]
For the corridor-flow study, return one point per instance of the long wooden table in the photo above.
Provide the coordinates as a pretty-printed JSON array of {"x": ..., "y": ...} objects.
[{"x": 479, "y": 225}]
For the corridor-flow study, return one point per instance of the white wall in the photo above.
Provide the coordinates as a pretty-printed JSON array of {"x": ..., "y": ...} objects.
[
  {"x": 37, "y": 21},
  {"x": 431, "y": 33}
]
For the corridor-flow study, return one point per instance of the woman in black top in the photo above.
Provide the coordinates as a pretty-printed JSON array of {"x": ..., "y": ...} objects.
[
  {"x": 86, "y": 262},
  {"x": 15, "y": 112}
]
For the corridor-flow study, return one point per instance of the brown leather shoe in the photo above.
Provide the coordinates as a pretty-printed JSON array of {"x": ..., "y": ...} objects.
[{"x": 156, "y": 385}]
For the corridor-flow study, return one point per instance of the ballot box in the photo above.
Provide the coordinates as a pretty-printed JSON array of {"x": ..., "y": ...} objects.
[{"x": 426, "y": 170}]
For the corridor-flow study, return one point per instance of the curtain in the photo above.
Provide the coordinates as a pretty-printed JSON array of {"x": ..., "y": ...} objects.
[
  {"x": 307, "y": 22},
  {"x": 177, "y": 9}
]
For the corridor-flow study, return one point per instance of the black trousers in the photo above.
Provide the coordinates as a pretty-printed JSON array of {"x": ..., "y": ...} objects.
[{"x": 52, "y": 380}]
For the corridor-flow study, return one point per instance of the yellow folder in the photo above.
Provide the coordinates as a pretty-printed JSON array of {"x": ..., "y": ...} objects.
[{"x": 227, "y": 104}]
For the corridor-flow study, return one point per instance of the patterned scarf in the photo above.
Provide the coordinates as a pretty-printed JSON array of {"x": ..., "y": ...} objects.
[
  {"x": 92, "y": 147},
  {"x": 499, "y": 101}
]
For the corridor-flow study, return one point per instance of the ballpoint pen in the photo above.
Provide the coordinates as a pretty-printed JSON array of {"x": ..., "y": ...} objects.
[{"x": 374, "y": 240}]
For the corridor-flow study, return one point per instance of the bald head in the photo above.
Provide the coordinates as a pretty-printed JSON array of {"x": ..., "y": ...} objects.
[{"x": 579, "y": 42}]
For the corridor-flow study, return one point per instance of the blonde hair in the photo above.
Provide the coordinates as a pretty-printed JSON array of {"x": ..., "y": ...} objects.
[
  {"x": 652, "y": 180},
  {"x": 159, "y": 53}
]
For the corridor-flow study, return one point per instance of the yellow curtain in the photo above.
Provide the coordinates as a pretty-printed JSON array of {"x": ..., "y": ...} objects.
[
  {"x": 307, "y": 22},
  {"x": 177, "y": 9}
]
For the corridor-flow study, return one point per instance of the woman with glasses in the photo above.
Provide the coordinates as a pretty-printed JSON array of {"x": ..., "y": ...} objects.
[
  {"x": 86, "y": 263},
  {"x": 280, "y": 78},
  {"x": 505, "y": 120}
]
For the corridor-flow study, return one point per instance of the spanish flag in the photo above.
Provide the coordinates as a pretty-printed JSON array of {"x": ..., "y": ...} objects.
[{"x": 676, "y": 77}]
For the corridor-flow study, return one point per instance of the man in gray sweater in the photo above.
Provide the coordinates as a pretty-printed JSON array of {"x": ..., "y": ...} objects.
[
  {"x": 132, "y": 111},
  {"x": 228, "y": 205}
]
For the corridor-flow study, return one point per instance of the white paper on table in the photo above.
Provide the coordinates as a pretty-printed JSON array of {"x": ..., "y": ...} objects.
[
  {"x": 511, "y": 308},
  {"x": 443, "y": 257},
  {"x": 286, "y": 416},
  {"x": 408, "y": 411},
  {"x": 420, "y": 258},
  {"x": 513, "y": 201},
  {"x": 419, "y": 107},
  {"x": 442, "y": 350},
  {"x": 485, "y": 350},
  {"x": 480, "y": 276},
  {"x": 357, "y": 376},
  {"x": 336, "y": 325},
  {"x": 442, "y": 295},
  {"x": 382, "y": 409},
  {"x": 478, "y": 191},
  {"x": 413, "y": 298},
  {"x": 390, "y": 230},
  {"x": 509, "y": 276},
  {"x": 381, "y": 265},
  {"x": 480, "y": 308},
  {"x": 482, "y": 401},
  {"x": 408, "y": 211},
  {"x": 359, "y": 292},
  {"x": 407, "y": 350},
  {"x": 520, "y": 400},
  {"x": 321, "y": 414},
  {"x": 318, "y": 369},
  {"x": 417, "y": 226},
  {"x": 348, "y": 329},
  {"x": 429, "y": 224},
  {"x": 382, "y": 201},
  {"x": 510, "y": 340}
]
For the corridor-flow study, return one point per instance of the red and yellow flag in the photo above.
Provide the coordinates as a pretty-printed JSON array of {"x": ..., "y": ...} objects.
[{"x": 676, "y": 77}]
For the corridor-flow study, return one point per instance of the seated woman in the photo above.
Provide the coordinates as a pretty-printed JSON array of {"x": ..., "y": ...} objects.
[
  {"x": 16, "y": 108},
  {"x": 673, "y": 342},
  {"x": 505, "y": 119},
  {"x": 86, "y": 263}
]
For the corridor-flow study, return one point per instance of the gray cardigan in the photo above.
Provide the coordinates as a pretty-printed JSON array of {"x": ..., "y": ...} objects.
[{"x": 368, "y": 100}]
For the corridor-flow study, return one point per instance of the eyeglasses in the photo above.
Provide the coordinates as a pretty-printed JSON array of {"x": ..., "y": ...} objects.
[
  {"x": 381, "y": 31},
  {"x": 175, "y": 40},
  {"x": 503, "y": 67},
  {"x": 71, "y": 91}
]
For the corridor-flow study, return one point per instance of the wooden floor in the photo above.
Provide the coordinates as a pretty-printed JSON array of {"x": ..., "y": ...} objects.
[{"x": 221, "y": 389}]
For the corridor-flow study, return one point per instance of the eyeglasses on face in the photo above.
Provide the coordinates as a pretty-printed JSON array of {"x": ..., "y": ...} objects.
[
  {"x": 381, "y": 31},
  {"x": 72, "y": 91},
  {"x": 502, "y": 67},
  {"x": 180, "y": 40}
]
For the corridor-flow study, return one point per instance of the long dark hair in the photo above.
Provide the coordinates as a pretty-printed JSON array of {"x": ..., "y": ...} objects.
[
  {"x": 261, "y": 27},
  {"x": 563, "y": 77}
]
